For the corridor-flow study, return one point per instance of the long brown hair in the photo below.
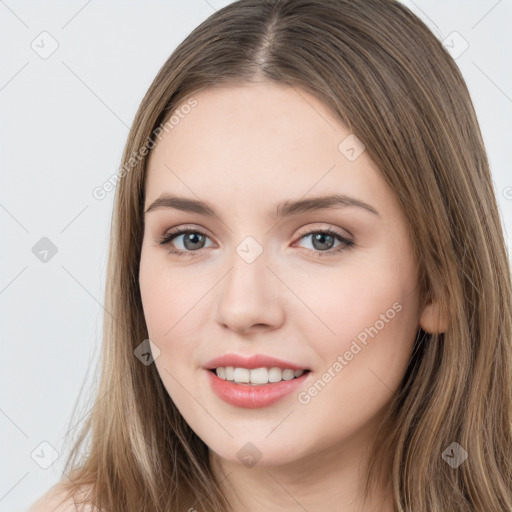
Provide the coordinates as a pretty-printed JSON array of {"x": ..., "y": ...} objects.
[{"x": 391, "y": 82}]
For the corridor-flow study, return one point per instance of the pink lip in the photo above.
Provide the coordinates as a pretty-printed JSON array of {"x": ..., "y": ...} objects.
[
  {"x": 251, "y": 362},
  {"x": 250, "y": 396}
]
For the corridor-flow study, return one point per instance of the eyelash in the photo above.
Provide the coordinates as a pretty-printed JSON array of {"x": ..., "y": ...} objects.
[{"x": 345, "y": 245}]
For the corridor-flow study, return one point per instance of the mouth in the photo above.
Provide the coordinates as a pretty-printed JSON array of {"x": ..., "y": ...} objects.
[
  {"x": 254, "y": 381},
  {"x": 264, "y": 391},
  {"x": 257, "y": 376}
]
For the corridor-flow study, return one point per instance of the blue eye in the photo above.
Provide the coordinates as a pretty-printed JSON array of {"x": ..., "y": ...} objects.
[
  {"x": 195, "y": 237},
  {"x": 326, "y": 237},
  {"x": 190, "y": 238}
]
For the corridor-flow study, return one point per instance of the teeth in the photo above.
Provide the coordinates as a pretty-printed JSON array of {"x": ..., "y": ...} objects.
[
  {"x": 230, "y": 373},
  {"x": 288, "y": 374},
  {"x": 242, "y": 375},
  {"x": 275, "y": 374},
  {"x": 259, "y": 376},
  {"x": 256, "y": 376}
]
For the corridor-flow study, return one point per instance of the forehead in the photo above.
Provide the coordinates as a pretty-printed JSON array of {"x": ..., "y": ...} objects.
[
  {"x": 254, "y": 117},
  {"x": 258, "y": 143}
]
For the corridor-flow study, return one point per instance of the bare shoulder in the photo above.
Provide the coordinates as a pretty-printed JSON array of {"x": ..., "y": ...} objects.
[{"x": 55, "y": 501}]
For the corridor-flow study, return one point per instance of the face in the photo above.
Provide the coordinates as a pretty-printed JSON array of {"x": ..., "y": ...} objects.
[{"x": 329, "y": 290}]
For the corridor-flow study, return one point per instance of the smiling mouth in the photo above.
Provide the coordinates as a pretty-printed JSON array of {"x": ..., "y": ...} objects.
[{"x": 256, "y": 376}]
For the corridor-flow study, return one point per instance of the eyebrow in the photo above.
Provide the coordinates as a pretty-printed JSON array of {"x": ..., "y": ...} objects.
[{"x": 283, "y": 209}]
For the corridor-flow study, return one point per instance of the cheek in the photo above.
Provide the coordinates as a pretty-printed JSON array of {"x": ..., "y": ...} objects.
[
  {"x": 174, "y": 311},
  {"x": 169, "y": 296},
  {"x": 366, "y": 311},
  {"x": 165, "y": 311},
  {"x": 373, "y": 323},
  {"x": 155, "y": 298}
]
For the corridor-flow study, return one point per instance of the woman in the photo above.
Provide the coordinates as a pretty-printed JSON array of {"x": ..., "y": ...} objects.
[{"x": 340, "y": 336}]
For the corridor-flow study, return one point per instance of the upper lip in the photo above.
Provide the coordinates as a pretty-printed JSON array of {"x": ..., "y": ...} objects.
[{"x": 250, "y": 362}]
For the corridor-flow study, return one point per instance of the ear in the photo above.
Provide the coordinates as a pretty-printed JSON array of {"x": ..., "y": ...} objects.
[{"x": 433, "y": 320}]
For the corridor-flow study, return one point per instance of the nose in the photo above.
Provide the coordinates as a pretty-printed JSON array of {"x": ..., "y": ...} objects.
[{"x": 251, "y": 297}]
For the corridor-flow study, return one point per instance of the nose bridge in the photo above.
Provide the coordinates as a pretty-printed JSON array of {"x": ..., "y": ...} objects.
[
  {"x": 249, "y": 276},
  {"x": 248, "y": 292}
]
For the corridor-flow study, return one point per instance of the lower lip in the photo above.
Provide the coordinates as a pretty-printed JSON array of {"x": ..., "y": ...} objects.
[{"x": 250, "y": 396}]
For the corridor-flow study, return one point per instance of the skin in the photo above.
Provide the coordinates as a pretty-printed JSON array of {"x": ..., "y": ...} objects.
[{"x": 288, "y": 303}]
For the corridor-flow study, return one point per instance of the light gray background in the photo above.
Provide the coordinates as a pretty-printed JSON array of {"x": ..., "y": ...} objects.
[{"x": 64, "y": 120}]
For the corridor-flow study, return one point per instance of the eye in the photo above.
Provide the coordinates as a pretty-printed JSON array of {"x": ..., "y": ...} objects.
[
  {"x": 323, "y": 240},
  {"x": 194, "y": 239}
]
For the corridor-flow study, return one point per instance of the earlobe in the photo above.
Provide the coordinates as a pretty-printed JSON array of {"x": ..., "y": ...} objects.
[{"x": 433, "y": 320}]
